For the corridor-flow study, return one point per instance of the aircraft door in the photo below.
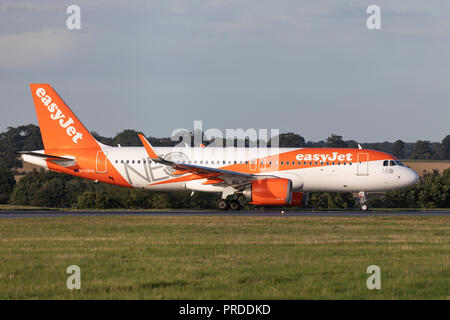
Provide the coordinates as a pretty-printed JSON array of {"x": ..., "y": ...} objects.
[
  {"x": 253, "y": 164},
  {"x": 363, "y": 164},
  {"x": 101, "y": 162}
]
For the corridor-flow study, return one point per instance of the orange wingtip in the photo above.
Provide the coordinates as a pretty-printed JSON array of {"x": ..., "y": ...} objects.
[{"x": 148, "y": 147}]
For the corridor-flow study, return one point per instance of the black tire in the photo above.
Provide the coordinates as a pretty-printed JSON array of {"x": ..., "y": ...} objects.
[
  {"x": 223, "y": 204},
  {"x": 235, "y": 205}
]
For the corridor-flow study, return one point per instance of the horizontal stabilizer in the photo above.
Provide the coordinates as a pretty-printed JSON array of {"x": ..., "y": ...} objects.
[{"x": 62, "y": 161}]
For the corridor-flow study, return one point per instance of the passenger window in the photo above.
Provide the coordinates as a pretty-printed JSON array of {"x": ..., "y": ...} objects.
[
  {"x": 310, "y": 163},
  {"x": 315, "y": 163},
  {"x": 139, "y": 161},
  {"x": 246, "y": 162},
  {"x": 282, "y": 162},
  {"x": 128, "y": 161},
  {"x": 117, "y": 161}
]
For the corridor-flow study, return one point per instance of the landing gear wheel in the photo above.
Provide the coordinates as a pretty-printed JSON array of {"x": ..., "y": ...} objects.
[
  {"x": 235, "y": 205},
  {"x": 362, "y": 201},
  {"x": 223, "y": 204}
]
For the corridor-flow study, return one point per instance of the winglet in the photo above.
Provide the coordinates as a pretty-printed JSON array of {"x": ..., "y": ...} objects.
[{"x": 148, "y": 147}]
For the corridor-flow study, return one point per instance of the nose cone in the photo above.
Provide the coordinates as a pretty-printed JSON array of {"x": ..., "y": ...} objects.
[{"x": 411, "y": 177}]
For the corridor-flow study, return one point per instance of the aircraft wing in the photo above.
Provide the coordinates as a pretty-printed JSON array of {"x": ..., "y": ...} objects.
[{"x": 215, "y": 176}]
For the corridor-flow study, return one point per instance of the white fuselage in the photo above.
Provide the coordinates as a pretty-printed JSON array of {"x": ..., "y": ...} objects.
[{"x": 135, "y": 166}]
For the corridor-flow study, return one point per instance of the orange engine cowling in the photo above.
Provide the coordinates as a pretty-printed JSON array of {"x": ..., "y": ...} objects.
[{"x": 272, "y": 192}]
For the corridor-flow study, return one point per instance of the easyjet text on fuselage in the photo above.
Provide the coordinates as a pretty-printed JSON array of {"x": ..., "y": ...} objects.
[{"x": 335, "y": 156}]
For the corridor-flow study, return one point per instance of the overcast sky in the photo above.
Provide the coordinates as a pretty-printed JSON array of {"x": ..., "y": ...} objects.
[{"x": 309, "y": 67}]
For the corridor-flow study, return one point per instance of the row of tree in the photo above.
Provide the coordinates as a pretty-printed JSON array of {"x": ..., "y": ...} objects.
[
  {"x": 26, "y": 138},
  {"x": 49, "y": 189}
]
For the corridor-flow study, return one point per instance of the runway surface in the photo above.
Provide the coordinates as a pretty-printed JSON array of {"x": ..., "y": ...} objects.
[{"x": 54, "y": 214}]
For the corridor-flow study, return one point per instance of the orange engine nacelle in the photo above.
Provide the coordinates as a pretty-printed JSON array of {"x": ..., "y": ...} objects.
[{"x": 272, "y": 192}]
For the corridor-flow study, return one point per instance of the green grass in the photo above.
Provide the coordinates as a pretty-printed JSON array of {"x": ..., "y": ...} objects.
[{"x": 196, "y": 257}]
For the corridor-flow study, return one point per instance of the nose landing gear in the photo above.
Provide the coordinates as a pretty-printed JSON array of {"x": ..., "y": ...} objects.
[{"x": 362, "y": 201}]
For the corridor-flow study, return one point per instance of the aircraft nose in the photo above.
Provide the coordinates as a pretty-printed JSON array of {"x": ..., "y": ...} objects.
[{"x": 411, "y": 177}]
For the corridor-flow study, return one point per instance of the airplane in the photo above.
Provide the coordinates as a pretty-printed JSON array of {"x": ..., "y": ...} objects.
[{"x": 265, "y": 176}]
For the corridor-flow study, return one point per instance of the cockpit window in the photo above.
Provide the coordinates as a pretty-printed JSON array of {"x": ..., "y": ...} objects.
[
  {"x": 399, "y": 163},
  {"x": 392, "y": 163},
  {"x": 385, "y": 163}
]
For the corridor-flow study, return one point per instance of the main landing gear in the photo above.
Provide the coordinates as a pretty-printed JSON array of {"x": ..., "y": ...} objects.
[
  {"x": 363, "y": 201},
  {"x": 225, "y": 204}
]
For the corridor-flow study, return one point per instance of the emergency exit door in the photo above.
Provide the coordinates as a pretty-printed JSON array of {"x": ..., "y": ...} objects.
[{"x": 100, "y": 163}]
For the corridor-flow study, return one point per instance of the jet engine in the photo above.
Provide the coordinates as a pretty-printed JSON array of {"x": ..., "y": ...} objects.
[{"x": 274, "y": 192}]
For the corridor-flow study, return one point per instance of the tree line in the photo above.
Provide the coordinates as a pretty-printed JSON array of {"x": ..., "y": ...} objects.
[{"x": 49, "y": 189}]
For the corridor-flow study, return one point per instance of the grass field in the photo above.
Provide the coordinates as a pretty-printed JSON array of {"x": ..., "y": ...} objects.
[
  {"x": 419, "y": 166},
  {"x": 223, "y": 257}
]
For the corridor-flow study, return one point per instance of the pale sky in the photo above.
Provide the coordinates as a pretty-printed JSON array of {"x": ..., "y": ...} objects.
[{"x": 309, "y": 67}]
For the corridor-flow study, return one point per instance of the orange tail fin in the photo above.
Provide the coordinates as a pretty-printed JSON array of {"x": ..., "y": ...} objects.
[{"x": 60, "y": 128}]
